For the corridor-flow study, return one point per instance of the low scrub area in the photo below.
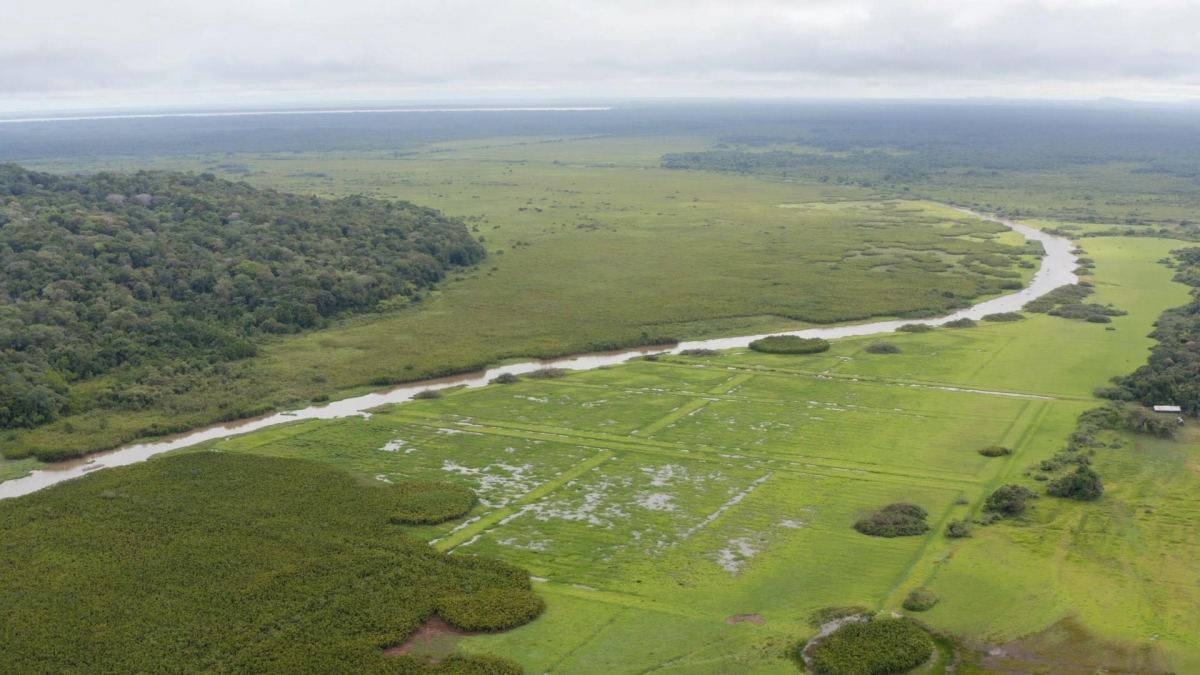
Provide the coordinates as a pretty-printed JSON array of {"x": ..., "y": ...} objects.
[
  {"x": 790, "y": 344},
  {"x": 1002, "y": 317},
  {"x": 961, "y": 323},
  {"x": 259, "y": 564},
  {"x": 915, "y": 328},
  {"x": 895, "y": 520},
  {"x": 431, "y": 503},
  {"x": 880, "y": 647},
  {"x": 883, "y": 348}
]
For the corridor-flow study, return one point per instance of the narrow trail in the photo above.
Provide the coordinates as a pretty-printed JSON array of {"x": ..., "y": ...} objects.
[{"x": 1056, "y": 271}]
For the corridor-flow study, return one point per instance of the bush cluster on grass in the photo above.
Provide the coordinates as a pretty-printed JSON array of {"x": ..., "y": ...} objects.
[
  {"x": 895, "y": 520},
  {"x": 1004, "y": 316},
  {"x": 883, "y": 348},
  {"x": 960, "y": 323},
  {"x": 958, "y": 529},
  {"x": 504, "y": 378},
  {"x": 880, "y": 647},
  {"x": 921, "y": 600},
  {"x": 825, "y": 615},
  {"x": 547, "y": 373},
  {"x": 1083, "y": 484},
  {"x": 261, "y": 564},
  {"x": 699, "y": 352},
  {"x": 427, "y": 394},
  {"x": 1009, "y": 500},
  {"x": 431, "y": 503},
  {"x": 790, "y": 344},
  {"x": 491, "y": 610},
  {"x": 915, "y": 328},
  {"x": 995, "y": 451}
]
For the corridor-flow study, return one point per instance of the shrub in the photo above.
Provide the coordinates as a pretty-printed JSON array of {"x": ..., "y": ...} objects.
[
  {"x": 491, "y": 610},
  {"x": 1014, "y": 285},
  {"x": 1004, "y": 316},
  {"x": 699, "y": 352},
  {"x": 995, "y": 451},
  {"x": 547, "y": 373},
  {"x": 1083, "y": 485},
  {"x": 960, "y": 323},
  {"x": 470, "y": 664},
  {"x": 431, "y": 503},
  {"x": 915, "y": 328},
  {"x": 650, "y": 357},
  {"x": 883, "y": 348},
  {"x": 958, "y": 529},
  {"x": 427, "y": 394},
  {"x": 921, "y": 600},
  {"x": 1098, "y": 318},
  {"x": 505, "y": 378},
  {"x": 823, "y": 616},
  {"x": 879, "y": 647},
  {"x": 790, "y": 344},
  {"x": 894, "y": 520},
  {"x": 1009, "y": 500}
]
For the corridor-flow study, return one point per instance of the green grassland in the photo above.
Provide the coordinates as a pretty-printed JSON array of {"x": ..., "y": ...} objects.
[
  {"x": 592, "y": 246},
  {"x": 654, "y": 501}
]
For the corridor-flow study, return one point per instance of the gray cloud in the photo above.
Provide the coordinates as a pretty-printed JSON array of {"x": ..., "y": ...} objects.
[{"x": 146, "y": 50}]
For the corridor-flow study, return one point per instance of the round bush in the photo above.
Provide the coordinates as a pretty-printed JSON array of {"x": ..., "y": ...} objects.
[
  {"x": 1098, "y": 318},
  {"x": 880, "y": 647},
  {"x": 894, "y": 520},
  {"x": 1004, "y": 316},
  {"x": 427, "y": 394},
  {"x": 915, "y": 328},
  {"x": 790, "y": 344},
  {"x": 431, "y": 503},
  {"x": 699, "y": 352},
  {"x": 491, "y": 610},
  {"x": 995, "y": 451},
  {"x": 960, "y": 323},
  {"x": 505, "y": 378},
  {"x": 883, "y": 348},
  {"x": 921, "y": 600},
  {"x": 1009, "y": 500},
  {"x": 958, "y": 529},
  {"x": 547, "y": 373}
]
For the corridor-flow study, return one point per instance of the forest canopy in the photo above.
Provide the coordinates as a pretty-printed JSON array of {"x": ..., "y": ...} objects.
[{"x": 159, "y": 276}]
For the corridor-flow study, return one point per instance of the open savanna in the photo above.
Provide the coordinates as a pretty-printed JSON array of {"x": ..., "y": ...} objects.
[
  {"x": 592, "y": 245},
  {"x": 655, "y": 501}
]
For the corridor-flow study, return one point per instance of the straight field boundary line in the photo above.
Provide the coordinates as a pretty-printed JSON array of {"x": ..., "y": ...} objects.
[
  {"x": 801, "y": 464},
  {"x": 494, "y": 518},
  {"x": 671, "y": 417},
  {"x": 876, "y": 379}
]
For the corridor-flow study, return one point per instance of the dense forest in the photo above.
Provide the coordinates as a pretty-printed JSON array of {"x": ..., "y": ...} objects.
[{"x": 159, "y": 277}]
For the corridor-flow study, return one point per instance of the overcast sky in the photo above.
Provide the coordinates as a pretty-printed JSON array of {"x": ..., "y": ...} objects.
[{"x": 76, "y": 54}]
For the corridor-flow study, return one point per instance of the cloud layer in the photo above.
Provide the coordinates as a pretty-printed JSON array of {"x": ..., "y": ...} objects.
[{"x": 196, "y": 52}]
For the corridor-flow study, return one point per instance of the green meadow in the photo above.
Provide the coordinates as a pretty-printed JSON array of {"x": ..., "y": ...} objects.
[
  {"x": 591, "y": 245},
  {"x": 687, "y": 515}
]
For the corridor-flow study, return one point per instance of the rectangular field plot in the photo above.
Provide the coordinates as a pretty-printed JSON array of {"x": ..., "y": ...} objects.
[
  {"x": 613, "y": 410},
  {"x": 629, "y": 508},
  {"x": 658, "y": 376},
  {"x": 498, "y": 468},
  {"x": 856, "y": 437}
]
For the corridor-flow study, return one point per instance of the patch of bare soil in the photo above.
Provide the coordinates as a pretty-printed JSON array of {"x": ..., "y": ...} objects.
[
  {"x": 745, "y": 618},
  {"x": 1067, "y": 648},
  {"x": 435, "y": 638}
]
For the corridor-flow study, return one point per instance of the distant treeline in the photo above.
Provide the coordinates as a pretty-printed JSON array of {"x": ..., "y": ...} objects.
[
  {"x": 158, "y": 278},
  {"x": 1172, "y": 374}
]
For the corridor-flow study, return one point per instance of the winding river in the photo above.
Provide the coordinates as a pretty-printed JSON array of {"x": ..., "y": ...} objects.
[{"x": 1057, "y": 270}]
